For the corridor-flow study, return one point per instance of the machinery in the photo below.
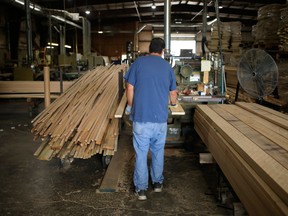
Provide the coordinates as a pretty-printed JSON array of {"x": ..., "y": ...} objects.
[
  {"x": 187, "y": 71},
  {"x": 193, "y": 88}
]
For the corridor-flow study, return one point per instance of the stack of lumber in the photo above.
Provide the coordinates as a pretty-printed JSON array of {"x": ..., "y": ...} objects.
[
  {"x": 80, "y": 123},
  {"x": 230, "y": 36},
  {"x": 283, "y": 30},
  {"x": 283, "y": 80},
  {"x": 231, "y": 76},
  {"x": 250, "y": 144},
  {"x": 267, "y": 26}
]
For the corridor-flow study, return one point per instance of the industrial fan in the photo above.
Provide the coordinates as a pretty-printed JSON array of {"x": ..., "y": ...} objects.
[{"x": 257, "y": 73}]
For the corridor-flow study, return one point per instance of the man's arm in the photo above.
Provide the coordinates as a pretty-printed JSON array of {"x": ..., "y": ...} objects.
[
  {"x": 173, "y": 97},
  {"x": 129, "y": 94}
]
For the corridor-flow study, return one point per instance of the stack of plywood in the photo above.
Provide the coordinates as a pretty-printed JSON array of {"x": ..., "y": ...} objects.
[
  {"x": 250, "y": 144},
  {"x": 80, "y": 123}
]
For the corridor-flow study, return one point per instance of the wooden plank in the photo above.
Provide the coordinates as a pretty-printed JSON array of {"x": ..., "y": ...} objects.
[
  {"x": 269, "y": 146},
  {"x": 271, "y": 131},
  {"x": 273, "y": 173},
  {"x": 112, "y": 134},
  {"x": 120, "y": 110},
  {"x": 25, "y": 95},
  {"x": 254, "y": 193},
  {"x": 278, "y": 119},
  {"x": 271, "y": 111},
  {"x": 116, "y": 166},
  {"x": 177, "y": 110},
  {"x": 31, "y": 86}
]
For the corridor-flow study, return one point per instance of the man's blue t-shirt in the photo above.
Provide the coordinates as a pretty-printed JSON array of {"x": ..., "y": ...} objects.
[{"x": 153, "y": 78}]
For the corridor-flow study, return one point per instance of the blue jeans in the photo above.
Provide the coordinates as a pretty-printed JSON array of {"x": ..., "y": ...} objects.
[{"x": 148, "y": 136}]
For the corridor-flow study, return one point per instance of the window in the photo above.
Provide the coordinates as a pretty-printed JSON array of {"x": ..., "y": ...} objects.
[{"x": 177, "y": 45}]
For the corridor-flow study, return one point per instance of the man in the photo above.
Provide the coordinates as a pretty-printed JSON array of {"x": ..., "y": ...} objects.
[{"x": 151, "y": 86}]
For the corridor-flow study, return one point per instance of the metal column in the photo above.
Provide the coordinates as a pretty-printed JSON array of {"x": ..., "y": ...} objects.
[
  {"x": 167, "y": 29},
  {"x": 62, "y": 40},
  {"x": 204, "y": 28},
  {"x": 86, "y": 37},
  {"x": 29, "y": 33}
]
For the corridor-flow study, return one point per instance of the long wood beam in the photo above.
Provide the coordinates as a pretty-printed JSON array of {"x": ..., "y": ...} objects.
[{"x": 12, "y": 87}]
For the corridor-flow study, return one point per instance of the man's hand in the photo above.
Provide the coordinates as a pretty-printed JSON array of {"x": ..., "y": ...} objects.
[{"x": 128, "y": 110}]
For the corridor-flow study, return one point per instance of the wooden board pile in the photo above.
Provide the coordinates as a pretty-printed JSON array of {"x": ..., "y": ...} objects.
[
  {"x": 283, "y": 30},
  {"x": 250, "y": 144},
  {"x": 231, "y": 76},
  {"x": 230, "y": 36},
  {"x": 80, "y": 123},
  {"x": 267, "y": 26}
]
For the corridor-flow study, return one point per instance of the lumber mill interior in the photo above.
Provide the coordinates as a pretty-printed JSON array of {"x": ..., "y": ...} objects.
[{"x": 66, "y": 142}]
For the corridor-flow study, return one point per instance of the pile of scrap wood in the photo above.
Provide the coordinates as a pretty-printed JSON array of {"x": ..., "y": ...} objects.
[
  {"x": 80, "y": 123},
  {"x": 250, "y": 144}
]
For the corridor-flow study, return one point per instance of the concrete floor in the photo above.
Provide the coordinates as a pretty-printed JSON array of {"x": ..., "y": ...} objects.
[{"x": 33, "y": 187}]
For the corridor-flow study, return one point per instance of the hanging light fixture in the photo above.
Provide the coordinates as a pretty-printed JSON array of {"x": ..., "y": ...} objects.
[
  {"x": 87, "y": 11},
  {"x": 153, "y": 6},
  {"x": 220, "y": 6}
]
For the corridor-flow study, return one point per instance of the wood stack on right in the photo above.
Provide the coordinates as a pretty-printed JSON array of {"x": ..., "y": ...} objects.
[{"x": 250, "y": 144}]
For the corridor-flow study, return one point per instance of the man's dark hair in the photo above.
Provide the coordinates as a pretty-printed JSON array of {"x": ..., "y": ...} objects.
[{"x": 156, "y": 45}]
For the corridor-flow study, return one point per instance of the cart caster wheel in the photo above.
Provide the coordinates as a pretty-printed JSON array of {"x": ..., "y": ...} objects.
[
  {"x": 65, "y": 163},
  {"x": 106, "y": 160}
]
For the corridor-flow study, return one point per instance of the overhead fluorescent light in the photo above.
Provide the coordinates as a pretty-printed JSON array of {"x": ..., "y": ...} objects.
[
  {"x": 212, "y": 21},
  {"x": 37, "y": 8},
  {"x": 67, "y": 46},
  {"x": 20, "y": 2},
  {"x": 153, "y": 6},
  {"x": 178, "y": 21},
  {"x": 87, "y": 11},
  {"x": 100, "y": 32},
  {"x": 53, "y": 44}
]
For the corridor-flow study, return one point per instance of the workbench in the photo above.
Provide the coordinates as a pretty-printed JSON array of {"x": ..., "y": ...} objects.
[{"x": 249, "y": 142}]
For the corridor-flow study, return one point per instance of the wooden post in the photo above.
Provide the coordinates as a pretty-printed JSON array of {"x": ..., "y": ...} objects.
[{"x": 47, "y": 98}]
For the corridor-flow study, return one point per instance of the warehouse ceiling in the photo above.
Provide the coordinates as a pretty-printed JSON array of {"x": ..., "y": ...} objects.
[{"x": 184, "y": 13}]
